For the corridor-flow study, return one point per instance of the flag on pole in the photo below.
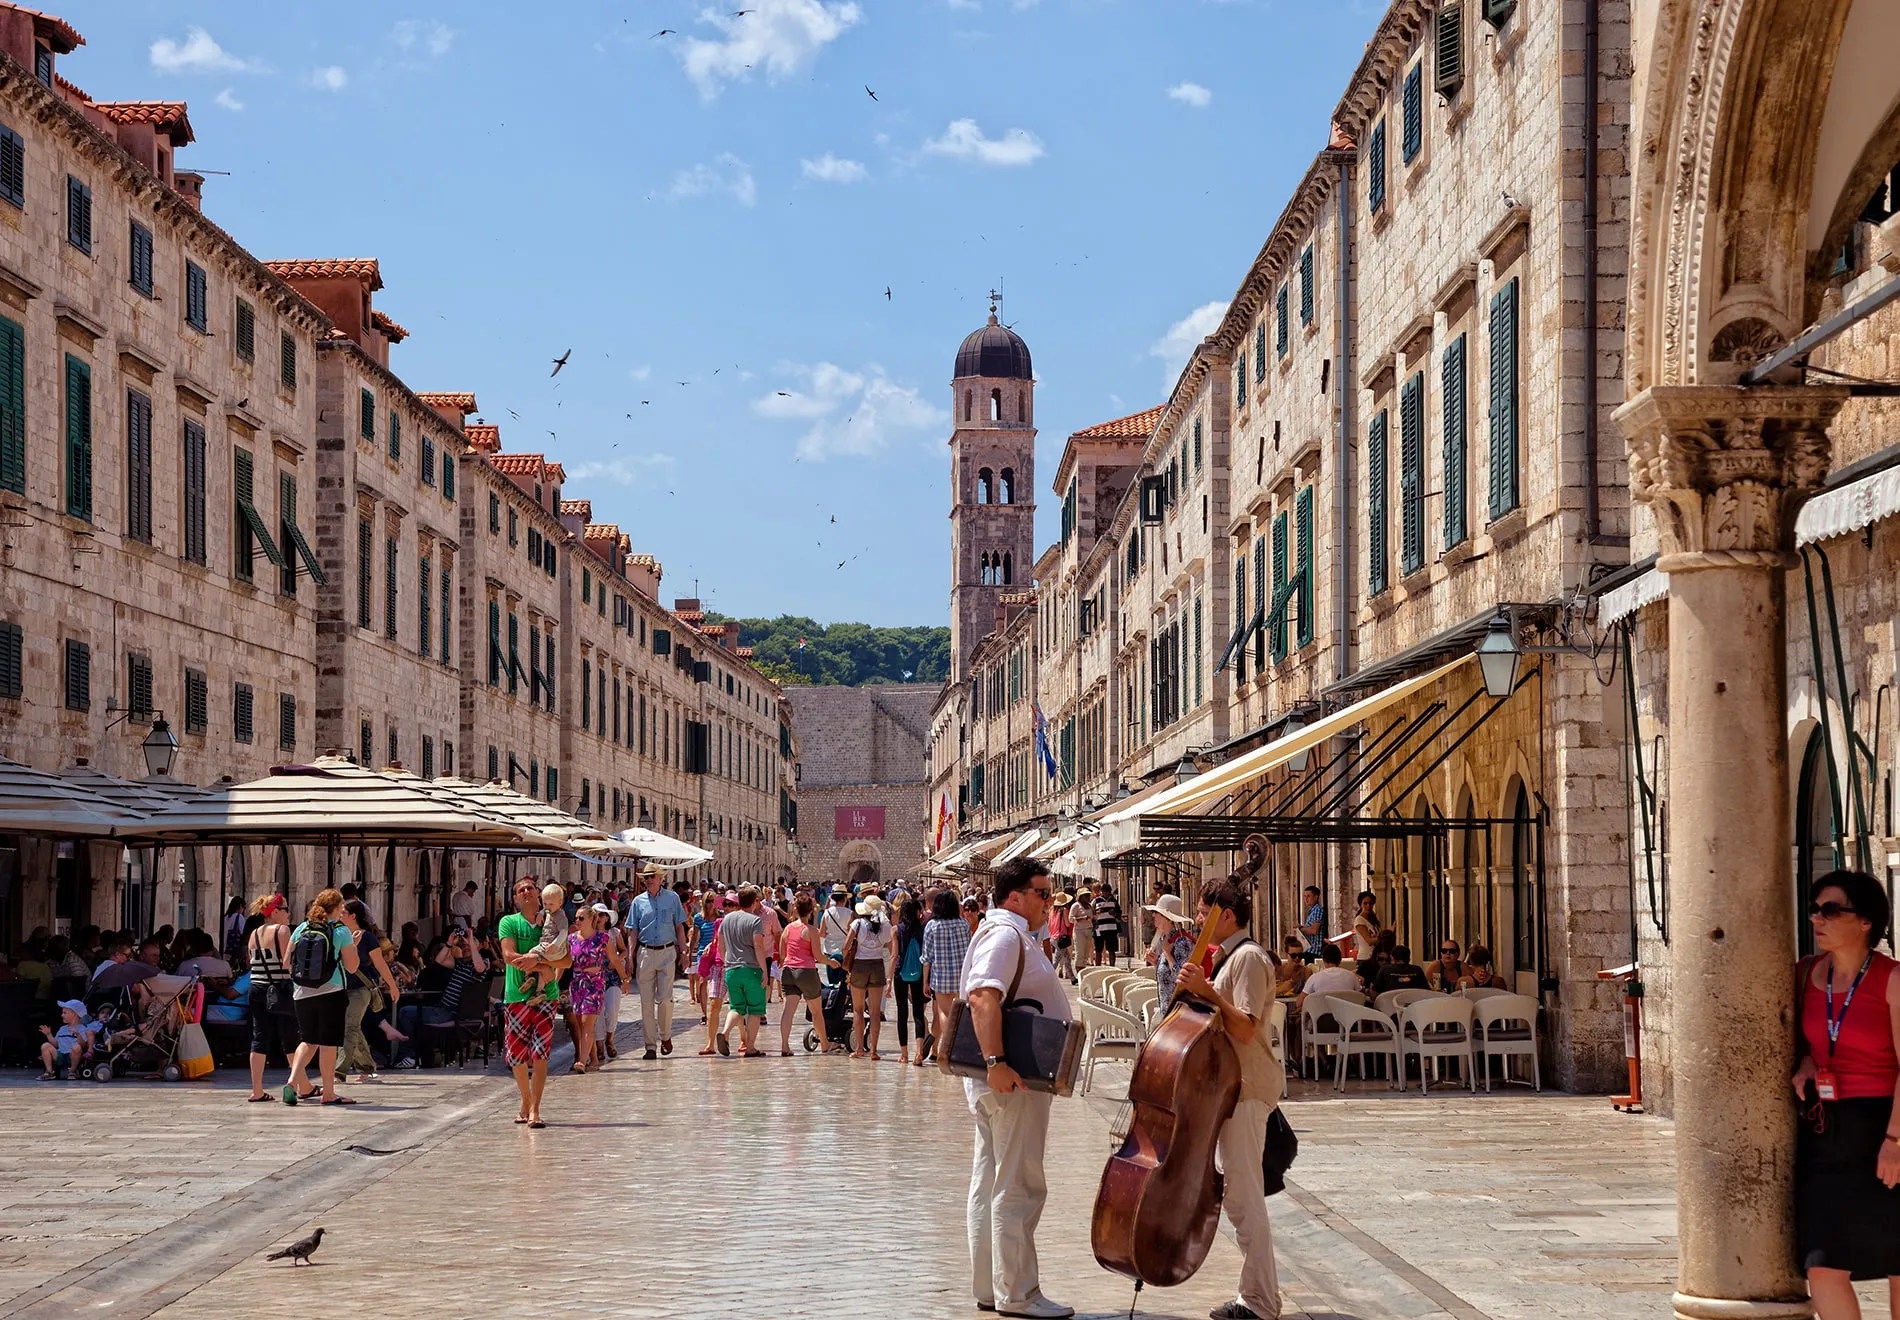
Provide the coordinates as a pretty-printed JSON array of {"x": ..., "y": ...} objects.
[
  {"x": 943, "y": 823},
  {"x": 1043, "y": 754}
]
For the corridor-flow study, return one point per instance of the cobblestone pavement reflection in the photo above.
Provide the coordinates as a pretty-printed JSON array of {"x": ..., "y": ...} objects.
[{"x": 805, "y": 1187}]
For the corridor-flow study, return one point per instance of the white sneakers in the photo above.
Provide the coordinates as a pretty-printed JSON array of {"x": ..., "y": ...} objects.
[{"x": 1038, "y": 1306}]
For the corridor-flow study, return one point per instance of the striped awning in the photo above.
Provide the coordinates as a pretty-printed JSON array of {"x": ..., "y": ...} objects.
[
  {"x": 1019, "y": 845},
  {"x": 35, "y": 802}
]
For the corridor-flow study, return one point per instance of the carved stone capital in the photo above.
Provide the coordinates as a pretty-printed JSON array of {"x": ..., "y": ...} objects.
[{"x": 1726, "y": 467}]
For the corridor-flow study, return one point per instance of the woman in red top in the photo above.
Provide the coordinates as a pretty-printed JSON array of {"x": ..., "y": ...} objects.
[{"x": 1847, "y": 1157}]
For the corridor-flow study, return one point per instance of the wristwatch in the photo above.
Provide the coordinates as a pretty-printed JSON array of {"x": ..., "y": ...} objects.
[{"x": 992, "y": 1060}]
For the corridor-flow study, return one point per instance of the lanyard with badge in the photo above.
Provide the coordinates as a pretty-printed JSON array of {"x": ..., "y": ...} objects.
[{"x": 1824, "y": 1079}]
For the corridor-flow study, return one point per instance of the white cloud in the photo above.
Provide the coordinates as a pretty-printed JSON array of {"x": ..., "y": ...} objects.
[
  {"x": 432, "y": 38},
  {"x": 782, "y": 37},
  {"x": 725, "y": 174},
  {"x": 642, "y": 372},
  {"x": 197, "y": 53},
  {"x": 228, "y": 101},
  {"x": 1190, "y": 93},
  {"x": 830, "y": 169},
  {"x": 963, "y": 140},
  {"x": 330, "y": 78},
  {"x": 1185, "y": 335},
  {"x": 629, "y": 471},
  {"x": 851, "y": 412}
]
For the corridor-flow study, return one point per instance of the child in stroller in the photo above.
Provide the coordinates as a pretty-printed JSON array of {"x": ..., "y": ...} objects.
[
  {"x": 835, "y": 1003},
  {"x": 128, "y": 1042}
]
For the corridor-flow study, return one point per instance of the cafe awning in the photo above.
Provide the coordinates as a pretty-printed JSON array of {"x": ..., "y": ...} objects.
[
  {"x": 1019, "y": 845},
  {"x": 663, "y": 850},
  {"x": 34, "y": 802}
]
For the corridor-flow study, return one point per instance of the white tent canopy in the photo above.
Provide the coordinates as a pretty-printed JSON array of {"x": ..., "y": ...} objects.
[{"x": 663, "y": 850}]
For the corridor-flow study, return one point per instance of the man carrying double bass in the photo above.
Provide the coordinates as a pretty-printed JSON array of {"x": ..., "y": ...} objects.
[{"x": 1242, "y": 993}]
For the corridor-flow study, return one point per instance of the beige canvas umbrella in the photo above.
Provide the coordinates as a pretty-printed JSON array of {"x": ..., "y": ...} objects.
[
  {"x": 124, "y": 793},
  {"x": 34, "y": 802},
  {"x": 497, "y": 799}
]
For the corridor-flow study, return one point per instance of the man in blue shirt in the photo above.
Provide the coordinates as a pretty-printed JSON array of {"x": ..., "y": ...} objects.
[
  {"x": 1314, "y": 927},
  {"x": 657, "y": 920}
]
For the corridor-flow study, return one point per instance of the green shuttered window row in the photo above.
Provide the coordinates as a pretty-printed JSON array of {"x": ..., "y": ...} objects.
[
  {"x": 1504, "y": 396},
  {"x": 1377, "y": 567},
  {"x": 1412, "y": 475}
]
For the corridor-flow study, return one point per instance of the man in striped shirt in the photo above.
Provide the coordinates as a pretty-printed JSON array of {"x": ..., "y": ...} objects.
[{"x": 946, "y": 940}]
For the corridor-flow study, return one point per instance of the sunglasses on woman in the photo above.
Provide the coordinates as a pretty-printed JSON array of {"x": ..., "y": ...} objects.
[{"x": 1829, "y": 911}]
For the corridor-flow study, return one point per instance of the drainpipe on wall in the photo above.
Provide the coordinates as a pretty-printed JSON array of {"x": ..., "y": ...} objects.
[
  {"x": 1342, "y": 435},
  {"x": 1592, "y": 510}
]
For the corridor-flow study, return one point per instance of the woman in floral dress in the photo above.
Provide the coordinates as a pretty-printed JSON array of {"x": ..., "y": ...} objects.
[{"x": 587, "y": 987}]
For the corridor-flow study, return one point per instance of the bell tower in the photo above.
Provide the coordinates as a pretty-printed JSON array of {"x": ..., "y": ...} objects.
[{"x": 992, "y": 482}]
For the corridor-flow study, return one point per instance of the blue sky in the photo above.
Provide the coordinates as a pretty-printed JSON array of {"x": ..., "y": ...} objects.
[{"x": 714, "y": 241}]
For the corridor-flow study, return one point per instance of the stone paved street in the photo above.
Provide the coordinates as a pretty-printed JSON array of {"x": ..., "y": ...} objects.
[{"x": 810, "y": 1187}]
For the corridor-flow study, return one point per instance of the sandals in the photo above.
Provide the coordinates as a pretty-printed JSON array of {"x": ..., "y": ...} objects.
[
  {"x": 536, "y": 1124},
  {"x": 521, "y": 1118},
  {"x": 49, "y": 1077},
  {"x": 707, "y": 1051},
  {"x": 291, "y": 1095},
  {"x": 258, "y": 1099},
  {"x": 785, "y": 1054},
  {"x": 752, "y": 1054},
  {"x": 724, "y": 1046},
  {"x": 340, "y": 1100}
]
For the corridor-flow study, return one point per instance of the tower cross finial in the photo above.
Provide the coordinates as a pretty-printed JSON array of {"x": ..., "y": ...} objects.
[{"x": 995, "y": 298}]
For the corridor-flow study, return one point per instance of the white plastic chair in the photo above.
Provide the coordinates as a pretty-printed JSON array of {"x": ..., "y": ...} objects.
[
  {"x": 1320, "y": 1017},
  {"x": 1506, "y": 1027},
  {"x": 1276, "y": 1030},
  {"x": 1111, "y": 1034},
  {"x": 1437, "y": 1028},
  {"x": 1394, "y": 1000},
  {"x": 1136, "y": 998},
  {"x": 1092, "y": 978},
  {"x": 1366, "y": 1031},
  {"x": 1476, "y": 993},
  {"x": 1349, "y": 997},
  {"x": 1116, "y": 988}
]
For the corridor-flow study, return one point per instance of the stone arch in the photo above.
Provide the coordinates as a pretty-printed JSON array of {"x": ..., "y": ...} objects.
[
  {"x": 969, "y": 405},
  {"x": 1008, "y": 568},
  {"x": 1007, "y": 486},
  {"x": 996, "y": 405},
  {"x": 860, "y": 862},
  {"x": 985, "y": 486},
  {"x": 1764, "y": 125}
]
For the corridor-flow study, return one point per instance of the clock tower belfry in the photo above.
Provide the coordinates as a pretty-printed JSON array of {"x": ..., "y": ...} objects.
[{"x": 992, "y": 483}]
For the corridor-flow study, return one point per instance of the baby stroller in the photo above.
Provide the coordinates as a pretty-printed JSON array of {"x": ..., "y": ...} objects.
[
  {"x": 835, "y": 1003},
  {"x": 151, "y": 1046}
]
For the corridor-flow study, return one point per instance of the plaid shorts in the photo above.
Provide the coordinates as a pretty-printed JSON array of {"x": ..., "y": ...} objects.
[{"x": 527, "y": 1032}]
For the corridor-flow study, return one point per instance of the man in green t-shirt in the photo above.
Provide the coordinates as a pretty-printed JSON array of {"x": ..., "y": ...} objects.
[{"x": 527, "y": 1016}]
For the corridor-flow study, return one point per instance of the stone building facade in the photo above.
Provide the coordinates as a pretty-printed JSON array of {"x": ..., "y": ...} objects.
[
  {"x": 221, "y": 504},
  {"x": 862, "y": 790}
]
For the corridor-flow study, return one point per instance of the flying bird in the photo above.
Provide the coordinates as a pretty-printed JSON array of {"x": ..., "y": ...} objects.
[
  {"x": 663, "y": 32},
  {"x": 512, "y": 413},
  {"x": 301, "y": 1250},
  {"x": 743, "y": 12},
  {"x": 887, "y": 293},
  {"x": 868, "y": 92},
  {"x": 834, "y": 517},
  {"x": 560, "y": 362},
  {"x": 785, "y": 394}
]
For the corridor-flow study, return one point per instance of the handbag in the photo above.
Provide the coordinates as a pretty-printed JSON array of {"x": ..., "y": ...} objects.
[
  {"x": 1045, "y": 1051},
  {"x": 1282, "y": 1148}
]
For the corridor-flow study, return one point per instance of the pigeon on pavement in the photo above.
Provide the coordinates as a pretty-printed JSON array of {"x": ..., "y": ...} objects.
[{"x": 301, "y": 1250}]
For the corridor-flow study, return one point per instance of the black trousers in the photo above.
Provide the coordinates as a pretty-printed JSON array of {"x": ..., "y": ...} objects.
[{"x": 910, "y": 994}]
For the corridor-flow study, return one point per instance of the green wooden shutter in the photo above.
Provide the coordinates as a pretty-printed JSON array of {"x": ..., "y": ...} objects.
[
  {"x": 78, "y": 439},
  {"x": 365, "y": 567},
  {"x": 287, "y": 360},
  {"x": 425, "y": 594},
  {"x": 12, "y": 659},
  {"x": 1456, "y": 427},
  {"x": 1259, "y": 620},
  {"x": 1496, "y": 11},
  {"x": 495, "y": 657},
  {"x": 1375, "y": 168},
  {"x": 12, "y": 407},
  {"x": 1303, "y": 561},
  {"x": 1412, "y": 475},
  {"x": 1449, "y": 49},
  {"x": 1306, "y": 286},
  {"x": 1238, "y": 644},
  {"x": 443, "y": 654},
  {"x": 428, "y": 460},
  {"x": 78, "y": 675},
  {"x": 194, "y": 492},
  {"x": 390, "y": 596},
  {"x": 366, "y": 408},
  {"x": 1240, "y": 381},
  {"x": 1504, "y": 437},
  {"x": 1200, "y": 663},
  {"x": 1260, "y": 349},
  {"x": 1413, "y": 102},
  {"x": 448, "y": 475},
  {"x": 138, "y": 466},
  {"x": 12, "y": 167},
  {"x": 1376, "y": 565},
  {"x": 1279, "y": 582},
  {"x": 1280, "y": 327},
  {"x": 395, "y": 436}
]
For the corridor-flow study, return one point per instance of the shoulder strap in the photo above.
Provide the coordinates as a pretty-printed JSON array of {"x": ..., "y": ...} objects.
[
  {"x": 1230, "y": 953},
  {"x": 1015, "y": 983},
  {"x": 1803, "y": 969}
]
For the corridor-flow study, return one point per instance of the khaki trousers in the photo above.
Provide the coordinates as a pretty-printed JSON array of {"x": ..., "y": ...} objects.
[
  {"x": 1007, "y": 1191},
  {"x": 1242, "y": 1144},
  {"x": 654, "y": 977}
]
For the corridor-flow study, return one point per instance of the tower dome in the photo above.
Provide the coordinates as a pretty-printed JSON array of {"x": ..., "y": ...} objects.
[{"x": 996, "y": 351}]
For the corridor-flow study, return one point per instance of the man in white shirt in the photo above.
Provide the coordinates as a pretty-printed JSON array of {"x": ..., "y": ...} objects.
[
  {"x": 464, "y": 907},
  {"x": 1242, "y": 994},
  {"x": 834, "y": 928},
  {"x": 1330, "y": 977},
  {"x": 1007, "y": 1184}
]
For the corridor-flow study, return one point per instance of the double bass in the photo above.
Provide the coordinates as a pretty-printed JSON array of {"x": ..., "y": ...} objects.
[{"x": 1157, "y": 1207}]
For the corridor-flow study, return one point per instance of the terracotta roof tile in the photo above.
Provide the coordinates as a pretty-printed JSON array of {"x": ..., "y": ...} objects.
[
  {"x": 332, "y": 268},
  {"x": 600, "y": 531},
  {"x": 462, "y": 402},
  {"x": 485, "y": 438},
  {"x": 168, "y": 116},
  {"x": 644, "y": 561},
  {"x": 71, "y": 88},
  {"x": 1135, "y": 426},
  {"x": 582, "y": 509},
  {"x": 59, "y": 34},
  {"x": 1340, "y": 140},
  {"x": 388, "y": 326},
  {"x": 556, "y": 472},
  {"x": 517, "y": 465}
]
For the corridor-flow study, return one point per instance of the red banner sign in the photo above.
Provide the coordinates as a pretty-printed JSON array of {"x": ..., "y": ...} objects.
[{"x": 859, "y": 823}]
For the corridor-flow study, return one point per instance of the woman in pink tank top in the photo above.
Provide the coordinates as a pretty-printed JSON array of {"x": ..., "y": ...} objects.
[
  {"x": 798, "y": 952},
  {"x": 1847, "y": 1153}
]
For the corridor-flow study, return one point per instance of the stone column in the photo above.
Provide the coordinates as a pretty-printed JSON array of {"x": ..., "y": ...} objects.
[{"x": 1725, "y": 469}]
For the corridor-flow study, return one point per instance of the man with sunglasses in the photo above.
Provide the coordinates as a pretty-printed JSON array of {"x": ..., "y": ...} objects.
[{"x": 1007, "y": 1185}]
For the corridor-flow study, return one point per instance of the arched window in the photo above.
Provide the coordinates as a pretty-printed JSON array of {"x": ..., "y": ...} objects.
[
  {"x": 985, "y": 486},
  {"x": 996, "y": 405},
  {"x": 969, "y": 404},
  {"x": 1022, "y": 406},
  {"x": 1009, "y": 485},
  {"x": 1817, "y": 834},
  {"x": 1006, "y": 568},
  {"x": 1524, "y": 882},
  {"x": 983, "y": 570}
]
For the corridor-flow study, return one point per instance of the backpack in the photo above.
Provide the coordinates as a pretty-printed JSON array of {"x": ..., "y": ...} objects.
[
  {"x": 313, "y": 957},
  {"x": 911, "y": 967}
]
